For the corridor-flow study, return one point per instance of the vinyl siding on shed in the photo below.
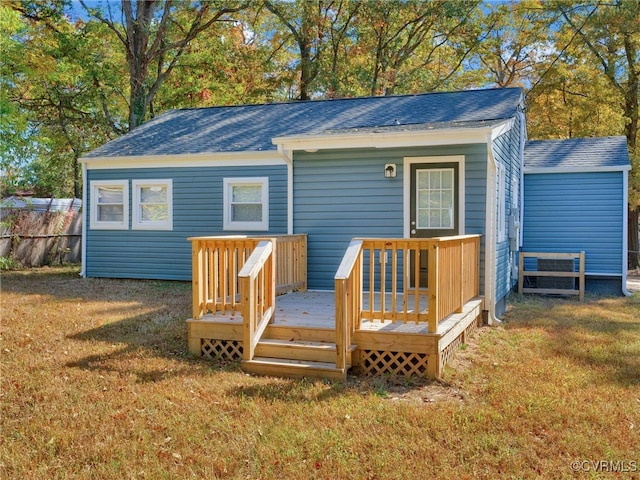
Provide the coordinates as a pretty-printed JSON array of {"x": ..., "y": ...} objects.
[
  {"x": 342, "y": 194},
  {"x": 571, "y": 212},
  {"x": 197, "y": 211}
]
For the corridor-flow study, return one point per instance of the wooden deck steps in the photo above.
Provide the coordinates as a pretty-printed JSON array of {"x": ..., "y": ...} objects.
[
  {"x": 283, "y": 367},
  {"x": 296, "y": 358},
  {"x": 297, "y": 350}
]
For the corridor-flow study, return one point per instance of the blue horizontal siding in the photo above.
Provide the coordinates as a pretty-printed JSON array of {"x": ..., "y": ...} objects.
[
  {"x": 506, "y": 149},
  {"x": 342, "y": 194},
  {"x": 197, "y": 211},
  {"x": 573, "y": 212}
]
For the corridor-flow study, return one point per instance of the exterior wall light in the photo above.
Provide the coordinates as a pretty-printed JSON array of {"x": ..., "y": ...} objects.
[{"x": 390, "y": 170}]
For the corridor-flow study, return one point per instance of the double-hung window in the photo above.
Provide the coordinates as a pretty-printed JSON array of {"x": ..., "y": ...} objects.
[
  {"x": 246, "y": 203},
  {"x": 109, "y": 205},
  {"x": 152, "y": 204}
]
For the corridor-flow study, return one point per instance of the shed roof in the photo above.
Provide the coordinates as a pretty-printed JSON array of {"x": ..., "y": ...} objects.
[
  {"x": 577, "y": 154},
  {"x": 252, "y": 127}
]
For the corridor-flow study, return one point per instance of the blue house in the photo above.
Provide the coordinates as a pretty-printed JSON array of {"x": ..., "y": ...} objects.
[
  {"x": 429, "y": 165},
  {"x": 413, "y": 210}
]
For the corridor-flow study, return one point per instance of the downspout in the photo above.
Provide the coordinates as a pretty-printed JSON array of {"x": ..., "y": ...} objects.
[
  {"x": 288, "y": 159},
  {"x": 491, "y": 233},
  {"x": 625, "y": 230},
  {"x": 85, "y": 219}
]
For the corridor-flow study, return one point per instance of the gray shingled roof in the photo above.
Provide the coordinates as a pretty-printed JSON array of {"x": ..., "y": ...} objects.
[
  {"x": 252, "y": 127},
  {"x": 577, "y": 153}
]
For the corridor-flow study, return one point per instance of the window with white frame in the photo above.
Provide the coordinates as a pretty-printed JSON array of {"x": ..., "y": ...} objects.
[
  {"x": 152, "y": 204},
  {"x": 502, "y": 202},
  {"x": 109, "y": 208},
  {"x": 246, "y": 203}
]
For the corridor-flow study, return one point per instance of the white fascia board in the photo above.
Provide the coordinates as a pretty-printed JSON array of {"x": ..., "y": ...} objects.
[
  {"x": 535, "y": 170},
  {"x": 225, "y": 159},
  {"x": 502, "y": 128},
  {"x": 414, "y": 138}
]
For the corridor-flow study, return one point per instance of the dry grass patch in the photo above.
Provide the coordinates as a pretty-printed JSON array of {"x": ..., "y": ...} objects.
[{"x": 96, "y": 383}]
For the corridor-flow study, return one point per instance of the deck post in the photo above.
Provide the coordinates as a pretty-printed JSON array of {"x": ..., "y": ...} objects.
[
  {"x": 433, "y": 305},
  {"x": 433, "y": 365},
  {"x": 197, "y": 276},
  {"x": 248, "y": 313},
  {"x": 341, "y": 324},
  {"x": 461, "y": 299},
  {"x": 195, "y": 342}
]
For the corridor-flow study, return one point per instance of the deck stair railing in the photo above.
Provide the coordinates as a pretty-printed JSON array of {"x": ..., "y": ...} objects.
[
  {"x": 384, "y": 279},
  {"x": 257, "y": 281},
  {"x": 348, "y": 292}
]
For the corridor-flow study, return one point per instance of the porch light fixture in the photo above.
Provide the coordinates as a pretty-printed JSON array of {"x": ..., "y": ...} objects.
[{"x": 390, "y": 170}]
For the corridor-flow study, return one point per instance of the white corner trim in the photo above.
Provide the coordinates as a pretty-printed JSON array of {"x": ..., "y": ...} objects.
[
  {"x": 625, "y": 231},
  {"x": 288, "y": 159},
  {"x": 490, "y": 238},
  {"x": 85, "y": 220},
  {"x": 226, "y": 159}
]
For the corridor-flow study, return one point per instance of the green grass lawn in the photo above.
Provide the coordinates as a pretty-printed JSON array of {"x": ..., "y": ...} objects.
[{"x": 97, "y": 384}]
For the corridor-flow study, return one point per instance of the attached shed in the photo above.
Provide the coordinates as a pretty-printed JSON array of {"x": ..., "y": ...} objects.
[{"x": 575, "y": 199}]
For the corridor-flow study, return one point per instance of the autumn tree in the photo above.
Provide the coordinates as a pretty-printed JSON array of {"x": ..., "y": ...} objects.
[
  {"x": 48, "y": 81},
  {"x": 595, "y": 74},
  {"x": 516, "y": 42},
  {"x": 306, "y": 21},
  {"x": 409, "y": 40},
  {"x": 154, "y": 35}
]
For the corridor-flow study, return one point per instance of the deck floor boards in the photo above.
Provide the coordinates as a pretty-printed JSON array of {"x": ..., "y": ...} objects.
[{"x": 316, "y": 309}]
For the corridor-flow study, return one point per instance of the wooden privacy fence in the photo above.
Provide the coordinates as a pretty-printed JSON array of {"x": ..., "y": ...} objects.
[
  {"x": 36, "y": 238},
  {"x": 217, "y": 262},
  {"x": 381, "y": 279}
]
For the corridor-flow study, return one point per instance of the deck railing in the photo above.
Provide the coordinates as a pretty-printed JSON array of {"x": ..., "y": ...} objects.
[
  {"x": 216, "y": 262},
  {"x": 348, "y": 292},
  {"x": 384, "y": 279},
  {"x": 291, "y": 266},
  {"x": 257, "y": 281}
]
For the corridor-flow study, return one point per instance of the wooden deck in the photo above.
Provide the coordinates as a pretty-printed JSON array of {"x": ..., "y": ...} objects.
[
  {"x": 309, "y": 318},
  {"x": 385, "y": 316}
]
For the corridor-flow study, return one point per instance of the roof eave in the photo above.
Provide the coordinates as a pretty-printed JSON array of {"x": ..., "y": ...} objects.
[
  {"x": 413, "y": 138},
  {"x": 245, "y": 158},
  {"x": 577, "y": 169}
]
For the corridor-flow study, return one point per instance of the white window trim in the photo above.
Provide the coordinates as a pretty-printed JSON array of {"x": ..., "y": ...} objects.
[
  {"x": 136, "y": 221},
  {"x": 228, "y": 223},
  {"x": 94, "y": 223},
  {"x": 501, "y": 177}
]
